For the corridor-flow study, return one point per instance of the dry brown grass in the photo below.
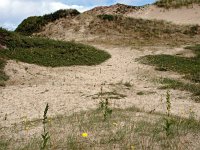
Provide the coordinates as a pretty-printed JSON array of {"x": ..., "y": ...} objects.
[
  {"x": 125, "y": 129},
  {"x": 121, "y": 30}
]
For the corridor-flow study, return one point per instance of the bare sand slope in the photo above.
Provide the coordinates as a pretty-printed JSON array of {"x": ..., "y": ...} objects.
[
  {"x": 184, "y": 15},
  {"x": 72, "y": 89}
]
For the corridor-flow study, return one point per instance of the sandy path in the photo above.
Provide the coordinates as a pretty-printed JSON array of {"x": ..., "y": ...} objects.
[{"x": 71, "y": 89}]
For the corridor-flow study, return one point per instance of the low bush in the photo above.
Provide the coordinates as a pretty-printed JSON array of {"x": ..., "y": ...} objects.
[{"x": 35, "y": 23}]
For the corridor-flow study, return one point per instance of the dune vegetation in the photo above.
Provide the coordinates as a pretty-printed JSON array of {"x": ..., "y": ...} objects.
[
  {"x": 115, "y": 105},
  {"x": 189, "y": 67},
  {"x": 46, "y": 52},
  {"x": 134, "y": 31},
  {"x": 175, "y": 3},
  {"x": 129, "y": 129},
  {"x": 34, "y": 24}
]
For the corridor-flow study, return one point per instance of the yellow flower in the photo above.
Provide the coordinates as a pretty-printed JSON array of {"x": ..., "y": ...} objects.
[
  {"x": 26, "y": 128},
  {"x": 115, "y": 124},
  {"x": 132, "y": 147},
  {"x": 84, "y": 134}
]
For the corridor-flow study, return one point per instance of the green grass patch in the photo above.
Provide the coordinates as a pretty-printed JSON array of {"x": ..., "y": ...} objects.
[
  {"x": 3, "y": 76},
  {"x": 46, "y": 52},
  {"x": 175, "y": 84},
  {"x": 175, "y": 3},
  {"x": 107, "y": 17},
  {"x": 60, "y": 54},
  {"x": 190, "y": 67},
  {"x": 3, "y": 145},
  {"x": 34, "y": 24}
]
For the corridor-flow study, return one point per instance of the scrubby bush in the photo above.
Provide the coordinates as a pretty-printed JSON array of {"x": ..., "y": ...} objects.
[
  {"x": 35, "y": 23},
  {"x": 48, "y": 52},
  {"x": 107, "y": 17}
]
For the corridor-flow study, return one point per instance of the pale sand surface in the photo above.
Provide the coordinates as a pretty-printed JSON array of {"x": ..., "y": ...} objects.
[
  {"x": 184, "y": 15},
  {"x": 72, "y": 89}
]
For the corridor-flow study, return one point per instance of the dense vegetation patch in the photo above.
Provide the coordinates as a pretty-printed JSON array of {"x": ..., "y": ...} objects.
[
  {"x": 189, "y": 67},
  {"x": 35, "y": 23},
  {"x": 107, "y": 17},
  {"x": 47, "y": 52},
  {"x": 55, "y": 53},
  {"x": 3, "y": 76},
  {"x": 175, "y": 3}
]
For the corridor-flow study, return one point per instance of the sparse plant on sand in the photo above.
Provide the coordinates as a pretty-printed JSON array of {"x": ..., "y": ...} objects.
[
  {"x": 168, "y": 121},
  {"x": 104, "y": 106},
  {"x": 45, "y": 135}
]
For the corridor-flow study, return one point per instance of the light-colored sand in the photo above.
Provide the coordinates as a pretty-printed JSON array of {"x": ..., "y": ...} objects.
[
  {"x": 184, "y": 15},
  {"x": 71, "y": 89}
]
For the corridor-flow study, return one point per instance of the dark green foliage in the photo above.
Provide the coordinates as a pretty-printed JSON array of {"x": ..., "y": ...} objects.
[
  {"x": 190, "y": 67},
  {"x": 175, "y": 3},
  {"x": 3, "y": 76},
  {"x": 107, "y": 17},
  {"x": 35, "y": 23},
  {"x": 55, "y": 53},
  {"x": 194, "y": 30},
  {"x": 48, "y": 52},
  {"x": 3, "y": 35},
  {"x": 3, "y": 145},
  {"x": 31, "y": 25}
]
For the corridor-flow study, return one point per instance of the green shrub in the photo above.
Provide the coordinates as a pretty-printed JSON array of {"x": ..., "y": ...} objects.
[
  {"x": 48, "y": 52},
  {"x": 35, "y": 23},
  {"x": 107, "y": 17},
  {"x": 190, "y": 67}
]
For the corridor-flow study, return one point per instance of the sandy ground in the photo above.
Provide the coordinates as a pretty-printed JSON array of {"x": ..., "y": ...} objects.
[
  {"x": 184, "y": 15},
  {"x": 72, "y": 89}
]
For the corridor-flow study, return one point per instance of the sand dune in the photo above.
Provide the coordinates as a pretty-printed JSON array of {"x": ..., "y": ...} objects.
[{"x": 184, "y": 15}]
